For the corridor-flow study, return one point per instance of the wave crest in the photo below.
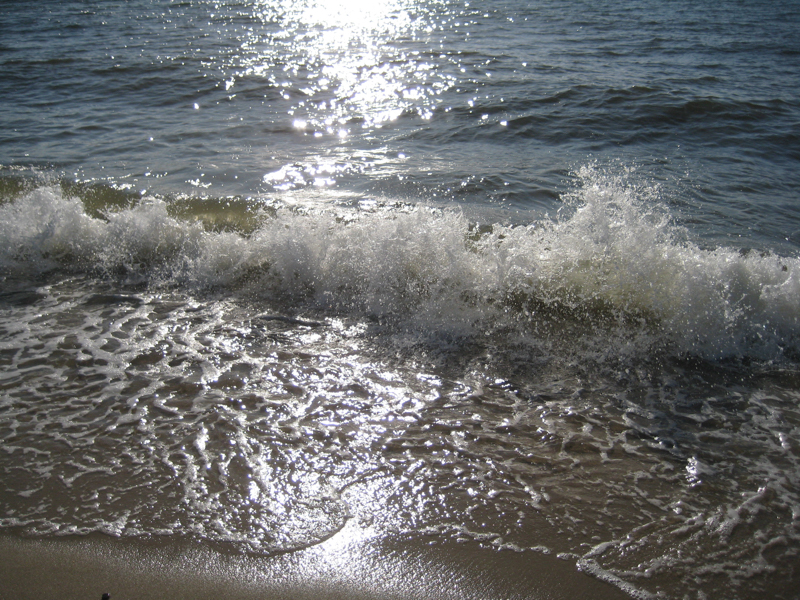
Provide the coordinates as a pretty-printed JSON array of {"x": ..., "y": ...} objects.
[{"x": 615, "y": 263}]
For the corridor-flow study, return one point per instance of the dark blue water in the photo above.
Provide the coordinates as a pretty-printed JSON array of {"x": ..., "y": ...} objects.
[
  {"x": 481, "y": 238},
  {"x": 486, "y": 104}
]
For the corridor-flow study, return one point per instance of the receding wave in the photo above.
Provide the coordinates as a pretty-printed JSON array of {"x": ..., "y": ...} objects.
[{"x": 613, "y": 262}]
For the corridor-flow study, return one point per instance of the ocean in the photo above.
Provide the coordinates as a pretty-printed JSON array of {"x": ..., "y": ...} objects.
[{"x": 525, "y": 274}]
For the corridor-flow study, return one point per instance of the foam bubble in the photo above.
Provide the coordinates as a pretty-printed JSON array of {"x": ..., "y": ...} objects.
[{"x": 615, "y": 264}]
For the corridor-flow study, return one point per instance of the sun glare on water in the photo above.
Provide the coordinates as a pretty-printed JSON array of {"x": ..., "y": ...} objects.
[
  {"x": 346, "y": 63},
  {"x": 342, "y": 69},
  {"x": 353, "y": 14}
]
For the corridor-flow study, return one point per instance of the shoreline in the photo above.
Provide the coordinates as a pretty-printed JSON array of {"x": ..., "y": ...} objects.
[{"x": 84, "y": 568}]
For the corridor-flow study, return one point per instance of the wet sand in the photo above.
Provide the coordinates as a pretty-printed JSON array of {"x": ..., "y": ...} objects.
[{"x": 83, "y": 568}]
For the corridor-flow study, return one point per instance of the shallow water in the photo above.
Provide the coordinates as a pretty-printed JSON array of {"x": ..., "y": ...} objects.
[{"x": 525, "y": 275}]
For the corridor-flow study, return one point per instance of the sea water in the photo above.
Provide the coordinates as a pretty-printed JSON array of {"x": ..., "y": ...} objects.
[{"x": 524, "y": 273}]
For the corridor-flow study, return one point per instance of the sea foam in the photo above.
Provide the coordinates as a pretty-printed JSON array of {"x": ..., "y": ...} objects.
[{"x": 614, "y": 259}]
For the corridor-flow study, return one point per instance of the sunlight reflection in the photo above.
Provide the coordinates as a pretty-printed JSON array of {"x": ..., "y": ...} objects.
[
  {"x": 346, "y": 63},
  {"x": 352, "y": 15}
]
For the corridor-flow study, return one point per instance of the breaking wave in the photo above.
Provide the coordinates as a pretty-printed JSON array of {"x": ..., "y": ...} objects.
[{"x": 614, "y": 261}]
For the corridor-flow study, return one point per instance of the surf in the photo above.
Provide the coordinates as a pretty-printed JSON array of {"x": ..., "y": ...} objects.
[{"x": 613, "y": 259}]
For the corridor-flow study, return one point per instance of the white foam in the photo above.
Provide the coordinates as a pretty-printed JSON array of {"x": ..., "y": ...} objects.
[{"x": 616, "y": 258}]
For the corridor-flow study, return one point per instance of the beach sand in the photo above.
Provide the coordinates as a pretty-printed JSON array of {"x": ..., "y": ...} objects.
[{"x": 83, "y": 568}]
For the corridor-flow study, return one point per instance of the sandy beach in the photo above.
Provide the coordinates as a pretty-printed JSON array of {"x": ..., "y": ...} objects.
[{"x": 85, "y": 568}]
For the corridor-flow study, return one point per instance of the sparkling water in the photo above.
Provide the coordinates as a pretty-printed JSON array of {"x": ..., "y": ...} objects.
[{"x": 524, "y": 273}]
